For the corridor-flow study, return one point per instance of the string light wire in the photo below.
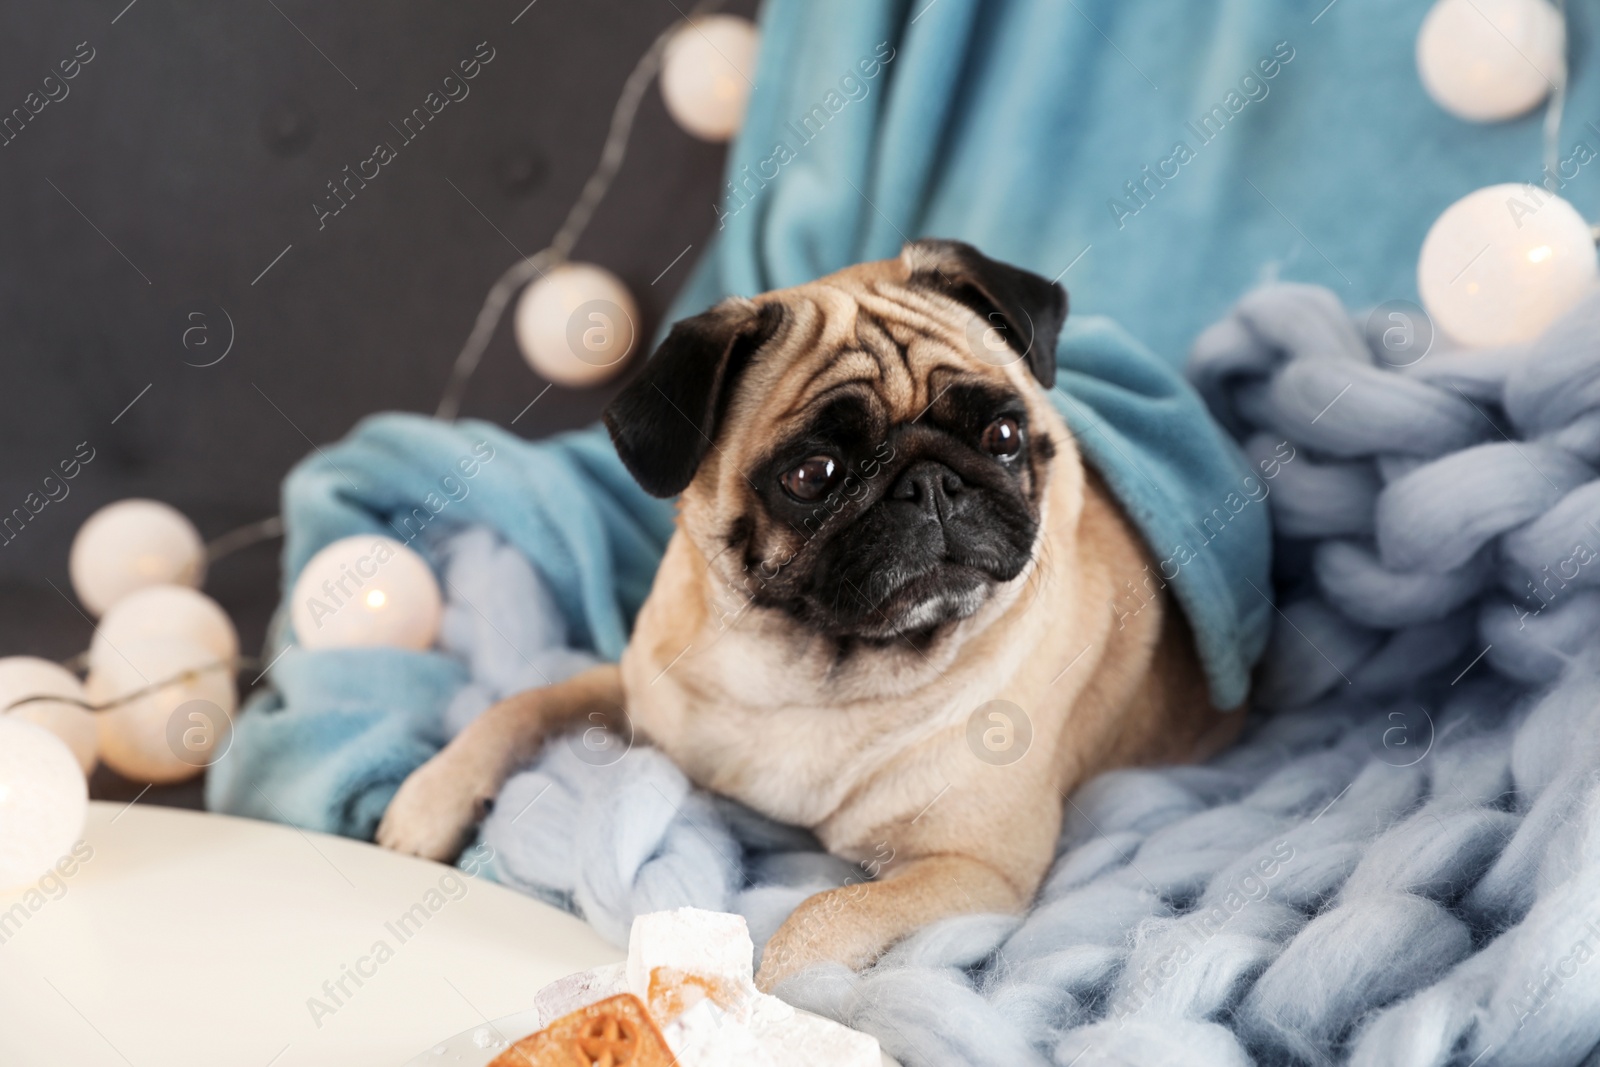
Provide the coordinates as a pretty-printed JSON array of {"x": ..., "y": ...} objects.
[
  {"x": 524, "y": 271},
  {"x": 519, "y": 274}
]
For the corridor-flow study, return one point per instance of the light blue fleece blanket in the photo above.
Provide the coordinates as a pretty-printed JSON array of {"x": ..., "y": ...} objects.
[{"x": 1263, "y": 140}]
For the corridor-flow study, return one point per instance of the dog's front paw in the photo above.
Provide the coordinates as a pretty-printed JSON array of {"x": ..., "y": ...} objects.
[
  {"x": 822, "y": 929},
  {"x": 433, "y": 811}
]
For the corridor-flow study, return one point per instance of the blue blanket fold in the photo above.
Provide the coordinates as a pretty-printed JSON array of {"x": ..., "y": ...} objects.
[
  {"x": 566, "y": 502},
  {"x": 344, "y": 727}
]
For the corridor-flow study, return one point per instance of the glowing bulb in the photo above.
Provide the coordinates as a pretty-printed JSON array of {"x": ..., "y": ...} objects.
[
  {"x": 25, "y": 676},
  {"x": 44, "y": 801},
  {"x": 164, "y": 611},
  {"x": 1489, "y": 60},
  {"x": 181, "y": 724},
  {"x": 130, "y": 545},
  {"x": 575, "y": 325},
  {"x": 393, "y": 583},
  {"x": 1503, "y": 263},
  {"x": 707, "y": 71}
]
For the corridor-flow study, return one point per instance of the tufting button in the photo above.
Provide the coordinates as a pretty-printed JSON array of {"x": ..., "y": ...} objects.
[
  {"x": 520, "y": 170},
  {"x": 287, "y": 127}
]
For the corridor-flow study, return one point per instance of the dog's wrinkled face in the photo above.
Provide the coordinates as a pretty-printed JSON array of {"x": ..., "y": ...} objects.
[{"x": 862, "y": 453}]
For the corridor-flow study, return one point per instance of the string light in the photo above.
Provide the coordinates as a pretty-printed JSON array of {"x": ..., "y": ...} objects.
[
  {"x": 132, "y": 544},
  {"x": 160, "y": 644},
  {"x": 168, "y": 705},
  {"x": 44, "y": 801},
  {"x": 706, "y": 74},
  {"x": 575, "y": 325},
  {"x": 366, "y": 590},
  {"x": 1501, "y": 264},
  {"x": 1490, "y": 60},
  {"x": 164, "y": 611},
  {"x": 48, "y": 695}
]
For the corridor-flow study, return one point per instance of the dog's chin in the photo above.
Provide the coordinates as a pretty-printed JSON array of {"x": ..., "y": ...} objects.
[{"x": 921, "y": 605}]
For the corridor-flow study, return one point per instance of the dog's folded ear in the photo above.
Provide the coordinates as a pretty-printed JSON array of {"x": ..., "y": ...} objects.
[
  {"x": 1029, "y": 309},
  {"x": 665, "y": 420}
]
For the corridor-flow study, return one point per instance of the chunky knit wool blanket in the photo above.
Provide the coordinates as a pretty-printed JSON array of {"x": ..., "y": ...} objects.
[{"x": 1398, "y": 864}]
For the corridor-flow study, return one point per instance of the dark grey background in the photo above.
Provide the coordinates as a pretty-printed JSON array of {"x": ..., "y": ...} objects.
[{"x": 187, "y": 155}]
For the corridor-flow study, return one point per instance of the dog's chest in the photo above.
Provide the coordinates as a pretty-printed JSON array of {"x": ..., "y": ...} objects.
[
  {"x": 794, "y": 762},
  {"x": 738, "y": 721}
]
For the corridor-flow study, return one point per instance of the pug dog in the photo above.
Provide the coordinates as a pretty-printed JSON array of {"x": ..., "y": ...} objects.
[{"x": 886, "y": 611}]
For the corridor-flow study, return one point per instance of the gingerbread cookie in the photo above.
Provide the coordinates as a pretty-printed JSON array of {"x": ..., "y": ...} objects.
[{"x": 615, "y": 1032}]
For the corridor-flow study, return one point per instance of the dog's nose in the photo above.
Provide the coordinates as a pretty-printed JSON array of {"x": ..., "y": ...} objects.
[{"x": 930, "y": 485}]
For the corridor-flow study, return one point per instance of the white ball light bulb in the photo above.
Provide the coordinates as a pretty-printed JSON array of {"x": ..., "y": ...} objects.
[
  {"x": 1503, "y": 263},
  {"x": 44, "y": 802},
  {"x": 706, "y": 74},
  {"x": 576, "y": 325},
  {"x": 366, "y": 590},
  {"x": 27, "y": 676},
  {"x": 164, "y": 611},
  {"x": 132, "y": 544},
  {"x": 172, "y": 732},
  {"x": 1489, "y": 60}
]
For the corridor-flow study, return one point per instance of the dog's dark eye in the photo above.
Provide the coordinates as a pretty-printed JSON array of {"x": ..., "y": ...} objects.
[
  {"x": 1002, "y": 438},
  {"x": 810, "y": 480}
]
